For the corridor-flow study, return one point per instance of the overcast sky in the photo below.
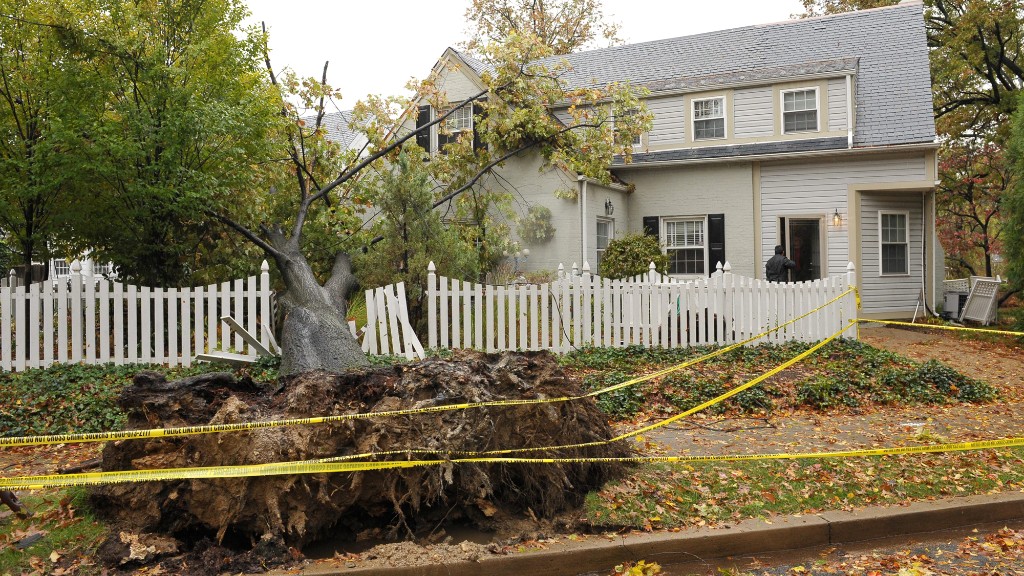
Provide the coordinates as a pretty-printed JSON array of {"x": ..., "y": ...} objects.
[{"x": 374, "y": 47}]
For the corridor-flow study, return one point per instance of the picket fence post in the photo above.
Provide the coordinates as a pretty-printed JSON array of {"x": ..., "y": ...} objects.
[
  {"x": 431, "y": 305},
  {"x": 852, "y": 305}
]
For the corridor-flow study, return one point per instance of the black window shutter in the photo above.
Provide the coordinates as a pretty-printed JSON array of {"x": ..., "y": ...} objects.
[
  {"x": 478, "y": 112},
  {"x": 716, "y": 241},
  {"x": 651, "y": 226},
  {"x": 423, "y": 138},
  {"x": 443, "y": 136}
]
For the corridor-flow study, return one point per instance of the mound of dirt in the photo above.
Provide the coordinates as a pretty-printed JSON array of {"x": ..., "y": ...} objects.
[{"x": 295, "y": 510}]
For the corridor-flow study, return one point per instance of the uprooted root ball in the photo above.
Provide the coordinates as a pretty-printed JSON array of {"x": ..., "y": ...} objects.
[{"x": 297, "y": 509}]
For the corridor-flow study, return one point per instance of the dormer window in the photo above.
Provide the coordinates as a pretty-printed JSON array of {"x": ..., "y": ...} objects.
[
  {"x": 800, "y": 110},
  {"x": 460, "y": 120},
  {"x": 709, "y": 118}
]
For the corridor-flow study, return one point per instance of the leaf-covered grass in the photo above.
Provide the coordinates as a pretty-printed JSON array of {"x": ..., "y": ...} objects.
[
  {"x": 843, "y": 374},
  {"x": 707, "y": 493},
  {"x": 63, "y": 535},
  {"x": 76, "y": 398},
  {"x": 69, "y": 398}
]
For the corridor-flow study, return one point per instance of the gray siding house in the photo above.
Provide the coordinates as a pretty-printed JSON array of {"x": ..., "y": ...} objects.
[{"x": 817, "y": 134}]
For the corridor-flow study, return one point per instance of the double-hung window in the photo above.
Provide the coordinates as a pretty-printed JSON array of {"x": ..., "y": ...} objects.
[
  {"x": 461, "y": 120},
  {"x": 709, "y": 118},
  {"x": 686, "y": 244},
  {"x": 61, "y": 267},
  {"x": 800, "y": 110},
  {"x": 893, "y": 243},
  {"x": 605, "y": 234}
]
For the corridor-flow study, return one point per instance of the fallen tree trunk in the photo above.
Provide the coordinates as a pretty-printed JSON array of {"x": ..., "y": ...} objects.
[{"x": 299, "y": 509}]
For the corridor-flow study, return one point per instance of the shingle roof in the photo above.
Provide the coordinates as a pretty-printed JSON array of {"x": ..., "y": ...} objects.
[
  {"x": 338, "y": 131},
  {"x": 894, "y": 98},
  {"x": 477, "y": 65}
]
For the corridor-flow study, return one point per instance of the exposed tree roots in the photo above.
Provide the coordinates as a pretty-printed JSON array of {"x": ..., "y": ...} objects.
[{"x": 295, "y": 510}]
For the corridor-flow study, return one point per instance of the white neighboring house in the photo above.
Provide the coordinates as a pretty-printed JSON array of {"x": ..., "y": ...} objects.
[
  {"x": 817, "y": 134},
  {"x": 61, "y": 268}
]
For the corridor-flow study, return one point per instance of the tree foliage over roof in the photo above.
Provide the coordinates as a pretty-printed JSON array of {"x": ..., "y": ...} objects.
[{"x": 563, "y": 25}]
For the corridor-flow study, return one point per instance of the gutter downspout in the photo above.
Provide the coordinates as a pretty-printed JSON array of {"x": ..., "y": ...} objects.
[
  {"x": 583, "y": 219},
  {"x": 849, "y": 110}
]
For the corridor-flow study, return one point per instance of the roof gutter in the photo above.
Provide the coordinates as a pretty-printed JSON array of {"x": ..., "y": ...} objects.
[
  {"x": 849, "y": 110},
  {"x": 782, "y": 156}
]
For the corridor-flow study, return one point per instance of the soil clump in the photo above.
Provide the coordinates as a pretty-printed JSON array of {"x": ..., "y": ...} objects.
[{"x": 282, "y": 514}]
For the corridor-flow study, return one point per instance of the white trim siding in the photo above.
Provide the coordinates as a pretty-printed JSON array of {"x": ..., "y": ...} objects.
[
  {"x": 890, "y": 294},
  {"x": 753, "y": 113},
  {"x": 822, "y": 187}
]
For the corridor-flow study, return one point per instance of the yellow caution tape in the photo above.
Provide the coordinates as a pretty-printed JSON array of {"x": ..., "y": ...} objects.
[
  {"x": 691, "y": 411},
  {"x": 280, "y": 468},
  {"x": 242, "y": 426},
  {"x": 941, "y": 327}
]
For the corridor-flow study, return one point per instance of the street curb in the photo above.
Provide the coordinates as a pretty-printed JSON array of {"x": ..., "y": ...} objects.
[{"x": 750, "y": 537}]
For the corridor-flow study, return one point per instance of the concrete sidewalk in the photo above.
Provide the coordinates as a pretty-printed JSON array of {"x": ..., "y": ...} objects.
[{"x": 748, "y": 538}]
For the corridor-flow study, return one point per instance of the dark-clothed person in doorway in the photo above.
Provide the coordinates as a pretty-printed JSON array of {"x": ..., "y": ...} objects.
[{"x": 776, "y": 266}]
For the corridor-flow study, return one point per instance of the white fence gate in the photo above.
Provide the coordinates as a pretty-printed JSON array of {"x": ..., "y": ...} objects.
[
  {"x": 93, "y": 320},
  {"x": 586, "y": 310}
]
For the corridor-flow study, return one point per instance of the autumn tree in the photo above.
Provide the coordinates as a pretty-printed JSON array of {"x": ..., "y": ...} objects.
[
  {"x": 563, "y": 25},
  {"x": 519, "y": 95},
  {"x": 975, "y": 179}
]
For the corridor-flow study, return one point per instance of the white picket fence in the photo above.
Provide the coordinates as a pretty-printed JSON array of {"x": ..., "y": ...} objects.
[
  {"x": 388, "y": 330},
  {"x": 89, "y": 319},
  {"x": 579, "y": 310}
]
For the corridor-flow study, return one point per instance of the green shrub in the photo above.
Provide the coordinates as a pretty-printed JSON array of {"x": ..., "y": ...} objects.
[
  {"x": 621, "y": 403},
  {"x": 535, "y": 226},
  {"x": 632, "y": 254},
  {"x": 689, "y": 392},
  {"x": 824, "y": 391},
  {"x": 953, "y": 384}
]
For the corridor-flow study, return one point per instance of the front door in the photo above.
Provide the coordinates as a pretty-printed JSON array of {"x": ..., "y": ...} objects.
[{"x": 801, "y": 238}]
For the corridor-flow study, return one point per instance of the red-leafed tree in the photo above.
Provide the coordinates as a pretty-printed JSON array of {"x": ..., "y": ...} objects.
[{"x": 975, "y": 178}]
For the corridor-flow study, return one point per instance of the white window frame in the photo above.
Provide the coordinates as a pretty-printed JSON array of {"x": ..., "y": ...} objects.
[
  {"x": 598, "y": 251},
  {"x": 663, "y": 227},
  {"x": 460, "y": 121},
  {"x": 104, "y": 269},
  {"x": 61, "y": 267},
  {"x": 694, "y": 119},
  {"x": 638, "y": 142},
  {"x": 817, "y": 109},
  {"x": 906, "y": 241}
]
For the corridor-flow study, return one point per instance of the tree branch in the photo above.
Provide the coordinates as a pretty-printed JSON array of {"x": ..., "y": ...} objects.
[
  {"x": 248, "y": 234},
  {"x": 344, "y": 176}
]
